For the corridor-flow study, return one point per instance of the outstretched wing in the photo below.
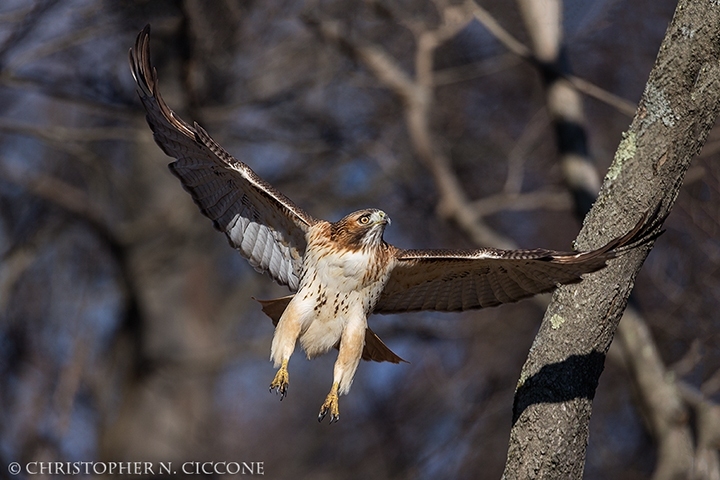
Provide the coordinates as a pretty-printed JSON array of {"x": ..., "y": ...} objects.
[
  {"x": 456, "y": 280},
  {"x": 263, "y": 224}
]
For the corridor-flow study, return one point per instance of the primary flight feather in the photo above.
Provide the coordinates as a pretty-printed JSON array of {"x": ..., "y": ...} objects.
[{"x": 340, "y": 273}]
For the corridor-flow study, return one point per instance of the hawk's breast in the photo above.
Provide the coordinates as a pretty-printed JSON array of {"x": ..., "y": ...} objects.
[{"x": 337, "y": 285}]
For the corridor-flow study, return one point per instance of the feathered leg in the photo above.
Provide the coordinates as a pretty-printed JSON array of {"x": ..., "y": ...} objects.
[
  {"x": 286, "y": 334},
  {"x": 351, "y": 348}
]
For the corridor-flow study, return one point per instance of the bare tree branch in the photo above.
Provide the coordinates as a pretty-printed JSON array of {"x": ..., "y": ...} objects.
[
  {"x": 76, "y": 203},
  {"x": 417, "y": 95},
  {"x": 586, "y": 87},
  {"x": 666, "y": 412},
  {"x": 548, "y": 200}
]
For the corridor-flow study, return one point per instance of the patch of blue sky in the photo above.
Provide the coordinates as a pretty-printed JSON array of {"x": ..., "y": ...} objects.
[
  {"x": 22, "y": 155},
  {"x": 242, "y": 384},
  {"x": 269, "y": 159},
  {"x": 84, "y": 306},
  {"x": 616, "y": 438},
  {"x": 80, "y": 440},
  {"x": 355, "y": 177},
  {"x": 351, "y": 108},
  {"x": 444, "y": 453},
  {"x": 377, "y": 377},
  {"x": 251, "y": 122}
]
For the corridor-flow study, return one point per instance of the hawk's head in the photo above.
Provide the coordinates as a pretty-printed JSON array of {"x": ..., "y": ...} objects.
[{"x": 360, "y": 229}]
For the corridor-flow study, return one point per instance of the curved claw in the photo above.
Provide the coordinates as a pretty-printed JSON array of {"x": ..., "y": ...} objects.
[
  {"x": 331, "y": 405},
  {"x": 323, "y": 414},
  {"x": 279, "y": 389},
  {"x": 280, "y": 382}
]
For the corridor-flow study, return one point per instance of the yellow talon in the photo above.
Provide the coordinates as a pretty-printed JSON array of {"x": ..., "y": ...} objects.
[
  {"x": 331, "y": 404},
  {"x": 280, "y": 382}
]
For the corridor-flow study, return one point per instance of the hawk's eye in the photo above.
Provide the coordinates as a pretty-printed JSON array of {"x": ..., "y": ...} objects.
[{"x": 364, "y": 220}]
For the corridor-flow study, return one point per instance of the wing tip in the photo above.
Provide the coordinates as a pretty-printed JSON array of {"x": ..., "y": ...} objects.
[
  {"x": 646, "y": 230},
  {"x": 145, "y": 75},
  {"x": 140, "y": 65}
]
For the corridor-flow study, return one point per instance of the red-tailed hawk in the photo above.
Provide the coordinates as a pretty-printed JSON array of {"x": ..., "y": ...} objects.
[{"x": 342, "y": 272}]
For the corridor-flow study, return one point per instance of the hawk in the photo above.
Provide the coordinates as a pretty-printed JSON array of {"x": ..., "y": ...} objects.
[{"x": 341, "y": 272}]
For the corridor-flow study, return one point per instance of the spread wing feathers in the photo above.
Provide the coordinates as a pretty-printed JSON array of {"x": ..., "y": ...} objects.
[
  {"x": 374, "y": 348},
  {"x": 458, "y": 280},
  {"x": 263, "y": 224}
]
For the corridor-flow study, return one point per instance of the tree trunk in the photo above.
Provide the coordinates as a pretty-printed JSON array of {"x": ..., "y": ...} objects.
[{"x": 553, "y": 399}]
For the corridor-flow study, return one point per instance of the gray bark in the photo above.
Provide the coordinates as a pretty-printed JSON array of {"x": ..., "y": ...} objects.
[{"x": 553, "y": 399}]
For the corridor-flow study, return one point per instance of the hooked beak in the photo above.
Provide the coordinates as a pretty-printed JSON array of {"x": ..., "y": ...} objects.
[{"x": 383, "y": 219}]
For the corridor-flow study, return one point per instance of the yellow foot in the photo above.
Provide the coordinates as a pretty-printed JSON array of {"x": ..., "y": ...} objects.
[
  {"x": 280, "y": 382},
  {"x": 331, "y": 405}
]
